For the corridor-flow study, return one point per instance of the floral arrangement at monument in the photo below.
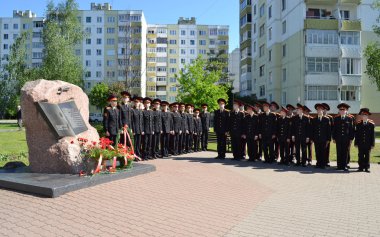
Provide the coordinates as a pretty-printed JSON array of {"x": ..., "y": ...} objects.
[{"x": 101, "y": 152}]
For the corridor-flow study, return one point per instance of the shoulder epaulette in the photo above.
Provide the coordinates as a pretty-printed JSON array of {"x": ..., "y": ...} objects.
[
  {"x": 371, "y": 121},
  {"x": 338, "y": 115}
]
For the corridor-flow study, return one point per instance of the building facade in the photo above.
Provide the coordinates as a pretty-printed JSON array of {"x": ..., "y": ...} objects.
[
  {"x": 310, "y": 51},
  {"x": 119, "y": 46},
  {"x": 234, "y": 69}
]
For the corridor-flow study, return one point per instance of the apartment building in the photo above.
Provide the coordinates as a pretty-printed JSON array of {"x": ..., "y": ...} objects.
[{"x": 310, "y": 51}]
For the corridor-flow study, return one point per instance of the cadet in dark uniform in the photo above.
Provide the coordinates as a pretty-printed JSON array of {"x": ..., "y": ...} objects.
[
  {"x": 292, "y": 150},
  {"x": 137, "y": 125},
  {"x": 331, "y": 119},
  {"x": 112, "y": 120},
  {"x": 177, "y": 129},
  {"x": 184, "y": 129},
  {"x": 205, "y": 117},
  {"x": 157, "y": 128},
  {"x": 148, "y": 131},
  {"x": 343, "y": 134},
  {"x": 321, "y": 135},
  {"x": 235, "y": 129},
  {"x": 257, "y": 108},
  {"x": 190, "y": 121},
  {"x": 197, "y": 129},
  {"x": 274, "y": 107},
  {"x": 268, "y": 132},
  {"x": 309, "y": 147},
  {"x": 365, "y": 139},
  {"x": 283, "y": 136},
  {"x": 300, "y": 134},
  {"x": 221, "y": 128},
  {"x": 126, "y": 114},
  {"x": 167, "y": 128},
  {"x": 243, "y": 142},
  {"x": 251, "y": 132}
]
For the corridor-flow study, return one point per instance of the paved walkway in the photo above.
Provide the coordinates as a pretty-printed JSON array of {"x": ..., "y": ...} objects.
[{"x": 204, "y": 197}]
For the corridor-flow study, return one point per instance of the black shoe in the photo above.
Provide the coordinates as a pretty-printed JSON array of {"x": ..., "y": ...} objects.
[
  {"x": 367, "y": 170},
  {"x": 159, "y": 156},
  {"x": 345, "y": 169},
  {"x": 251, "y": 160},
  {"x": 360, "y": 170},
  {"x": 348, "y": 167},
  {"x": 303, "y": 165},
  {"x": 328, "y": 165},
  {"x": 217, "y": 157}
]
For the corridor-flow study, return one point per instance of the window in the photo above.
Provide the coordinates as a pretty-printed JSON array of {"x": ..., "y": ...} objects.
[
  {"x": 172, "y": 32},
  {"x": 351, "y": 66},
  {"x": 262, "y": 91},
  {"x": 213, "y": 31},
  {"x": 318, "y": 65},
  {"x": 173, "y": 60},
  {"x": 110, "y": 41},
  {"x": 284, "y": 50},
  {"x": 313, "y": 92},
  {"x": 254, "y": 10},
  {"x": 99, "y": 30},
  {"x": 98, "y": 63},
  {"x": 111, "y": 19},
  {"x": 98, "y": 52},
  {"x": 25, "y": 26},
  {"x": 270, "y": 12},
  {"x": 192, "y": 51},
  {"x": 183, "y": 42},
  {"x": 38, "y": 24},
  {"x": 202, "y": 51},
  {"x": 173, "y": 80},
  {"x": 161, "y": 50},
  {"x": 172, "y": 41},
  {"x": 262, "y": 69},
  {"x": 88, "y": 52},
  {"x": 88, "y": 30},
  {"x": 202, "y": 32},
  {"x": 183, "y": 32},
  {"x": 173, "y": 88},
  {"x": 349, "y": 93},
  {"x": 88, "y": 19},
  {"x": 87, "y": 74},
  {"x": 192, "y": 42},
  {"x": 262, "y": 30},
  {"x": 262, "y": 10},
  {"x": 283, "y": 27},
  {"x": 110, "y": 30},
  {"x": 350, "y": 38},
  {"x": 344, "y": 14},
  {"x": 172, "y": 51},
  {"x": 202, "y": 42},
  {"x": 183, "y": 51},
  {"x": 283, "y": 98},
  {"x": 88, "y": 41},
  {"x": 270, "y": 79},
  {"x": 5, "y": 46},
  {"x": 270, "y": 55},
  {"x": 328, "y": 37},
  {"x": 99, "y": 19},
  {"x": 254, "y": 46},
  {"x": 192, "y": 32},
  {"x": 98, "y": 74},
  {"x": 212, "y": 42},
  {"x": 173, "y": 70},
  {"x": 15, "y": 26},
  {"x": 254, "y": 28},
  {"x": 262, "y": 50},
  {"x": 284, "y": 74},
  {"x": 5, "y": 26},
  {"x": 88, "y": 63},
  {"x": 283, "y": 5},
  {"x": 110, "y": 63},
  {"x": 270, "y": 33}
]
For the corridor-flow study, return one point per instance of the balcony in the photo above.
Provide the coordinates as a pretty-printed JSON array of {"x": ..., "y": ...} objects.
[
  {"x": 321, "y": 24},
  {"x": 357, "y": 2},
  {"x": 351, "y": 25},
  {"x": 329, "y": 2},
  {"x": 351, "y": 80}
]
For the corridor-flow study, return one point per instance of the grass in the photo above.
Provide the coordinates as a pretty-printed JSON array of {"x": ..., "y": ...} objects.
[
  {"x": 12, "y": 144},
  {"x": 6, "y": 126}
]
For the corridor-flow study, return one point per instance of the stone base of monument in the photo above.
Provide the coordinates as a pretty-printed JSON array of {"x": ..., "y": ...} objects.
[{"x": 55, "y": 185}]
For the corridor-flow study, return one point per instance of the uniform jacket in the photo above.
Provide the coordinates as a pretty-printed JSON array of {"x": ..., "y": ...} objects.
[
  {"x": 205, "y": 117},
  {"x": 365, "y": 134},
  {"x": 137, "y": 121},
  {"x": 177, "y": 122},
  {"x": 221, "y": 121},
  {"x": 320, "y": 129},
  {"x": 267, "y": 125},
  {"x": 300, "y": 128},
  {"x": 157, "y": 121},
  {"x": 148, "y": 122},
  {"x": 343, "y": 128},
  {"x": 251, "y": 126},
  {"x": 126, "y": 115},
  {"x": 167, "y": 122},
  {"x": 283, "y": 129},
  {"x": 235, "y": 123},
  {"x": 112, "y": 120}
]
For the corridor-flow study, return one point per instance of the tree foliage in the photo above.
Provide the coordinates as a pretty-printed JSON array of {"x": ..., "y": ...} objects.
[
  {"x": 372, "y": 55},
  {"x": 62, "y": 31},
  {"x": 98, "y": 95},
  {"x": 198, "y": 83}
]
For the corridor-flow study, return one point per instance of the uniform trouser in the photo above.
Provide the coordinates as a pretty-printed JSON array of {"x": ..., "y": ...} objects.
[
  {"x": 181, "y": 142},
  {"x": 342, "y": 150},
  {"x": 204, "y": 139},
  {"x": 156, "y": 143},
  {"x": 309, "y": 151},
  {"x": 349, "y": 154},
  {"x": 243, "y": 147},
  {"x": 221, "y": 139},
  {"x": 196, "y": 141},
  {"x": 147, "y": 146},
  {"x": 137, "y": 147},
  {"x": 236, "y": 146},
  {"x": 327, "y": 155},
  {"x": 300, "y": 148},
  {"x": 364, "y": 153},
  {"x": 174, "y": 139},
  {"x": 189, "y": 142},
  {"x": 284, "y": 151},
  {"x": 260, "y": 149},
  {"x": 291, "y": 151},
  {"x": 276, "y": 149},
  {"x": 252, "y": 147},
  {"x": 165, "y": 144},
  {"x": 268, "y": 149},
  {"x": 320, "y": 153}
]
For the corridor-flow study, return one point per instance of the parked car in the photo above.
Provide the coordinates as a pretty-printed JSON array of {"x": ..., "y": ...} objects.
[{"x": 96, "y": 117}]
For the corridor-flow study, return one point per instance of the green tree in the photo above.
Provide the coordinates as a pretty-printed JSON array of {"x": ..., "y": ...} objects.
[
  {"x": 372, "y": 55},
  {"x": 116, "y": 88},
  {"x": 198, "y": 84},
  {"x": 98, "y": 95},
  {"x": 62, "y": 31}
]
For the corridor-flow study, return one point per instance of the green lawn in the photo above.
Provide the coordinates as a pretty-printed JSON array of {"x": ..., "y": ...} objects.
[
  {"x": 8, "y": 126},
  {"x": 12, "y": 144}
]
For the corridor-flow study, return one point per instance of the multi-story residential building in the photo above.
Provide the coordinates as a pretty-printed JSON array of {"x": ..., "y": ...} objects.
[
  {"x": 310, "y": 51},
  {"x": 172, "y": 46},
  {"x": 12, "y": 27},
  {"x": 114, "y": 47},
  {"x": 234, "y": 69}
]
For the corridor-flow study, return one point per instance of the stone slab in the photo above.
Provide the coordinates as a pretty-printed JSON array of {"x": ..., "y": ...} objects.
[{"x": 55, "y": 185}]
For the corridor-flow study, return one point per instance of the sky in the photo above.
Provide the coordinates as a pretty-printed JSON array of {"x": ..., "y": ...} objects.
[{"x": 207, "y": 12}]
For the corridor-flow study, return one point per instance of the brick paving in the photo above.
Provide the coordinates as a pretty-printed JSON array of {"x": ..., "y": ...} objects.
[{"x": 203, "y": 197}]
